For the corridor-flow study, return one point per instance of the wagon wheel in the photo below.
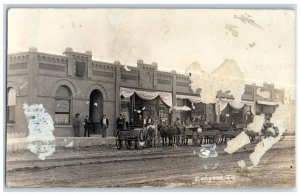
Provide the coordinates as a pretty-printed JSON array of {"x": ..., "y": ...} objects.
[
  {"x": 178, "y": 140},
  {"x": 218, "y": 139},
  {"x": 128, "y": 144},
  {"x": 281, "y": 137},
  {"x": 254, "y": 139},
  {"x": 137, "y": 144},
  {"x": 118, "y": 142},
  {"x": 197, "y": 140},
  {"x": 185, "y": 140}
]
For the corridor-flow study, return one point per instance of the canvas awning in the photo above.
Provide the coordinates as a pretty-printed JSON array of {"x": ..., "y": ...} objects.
[
  {"x": 191, "y": 98},
  {"x": 147, "y": 95},
  {"x": 267, "y": 103},
  {"x": 236, "y": 106},
  {"x": 182, "y": 108},
  {"x": 223, "y": 104}
]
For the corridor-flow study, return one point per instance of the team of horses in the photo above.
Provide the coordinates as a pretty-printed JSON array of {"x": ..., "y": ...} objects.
[
  {"x": 165, "y": 134},
  {"x": 170, "y": 135}
]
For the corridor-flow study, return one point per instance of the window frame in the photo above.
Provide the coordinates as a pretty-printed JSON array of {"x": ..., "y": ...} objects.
[
  {"x": 10, "y": 108},
  {"x": 60, "y": 98}
]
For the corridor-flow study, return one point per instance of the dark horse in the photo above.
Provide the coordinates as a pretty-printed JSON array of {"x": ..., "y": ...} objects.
[{"x": 168, "y": 131}]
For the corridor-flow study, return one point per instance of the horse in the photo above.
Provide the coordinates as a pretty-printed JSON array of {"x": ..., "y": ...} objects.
[
  {"x": 152, "y": 135},
  {"x": 170, "y": 132}
]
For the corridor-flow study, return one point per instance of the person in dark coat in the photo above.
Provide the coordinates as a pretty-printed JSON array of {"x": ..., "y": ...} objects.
[
  {"x": 177, "y": 124},
  {"x": 104, "y": 125},
  {"x": 76, "y": 125},
  {"x": 120, "y": 123},
  {"x": 149, "y": 121},
  {"x": 87, "y": 126}
]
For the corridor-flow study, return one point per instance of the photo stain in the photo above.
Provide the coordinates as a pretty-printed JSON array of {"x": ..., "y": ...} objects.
[{"x": 232, "y": 29}]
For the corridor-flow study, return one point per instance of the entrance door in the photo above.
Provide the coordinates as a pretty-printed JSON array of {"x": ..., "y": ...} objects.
[{"x": 96, "y": 110}]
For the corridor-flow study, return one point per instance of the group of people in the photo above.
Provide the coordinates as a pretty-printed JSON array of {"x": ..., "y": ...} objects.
[{"x": 87, "y": 124}]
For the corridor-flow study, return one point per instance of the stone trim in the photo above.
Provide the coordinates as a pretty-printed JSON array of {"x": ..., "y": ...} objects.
[
  {"x": 162, "y": 81},
  {"x": 103, "y": 73},
  {"x": 18, "y": 66},
  {"x": 68, "y": 77},
  {"x": 20, "y": 74},
  {"x": 96, "y": 87},
  {"x": 14, "y": 85},
  {"x": 183, "y": 84},
  {"x": 60, "y": 83},
  {"x": 103, "y": 66},
  {"x": 129, "y": 77},
  {"x": 49, "y": 58},
  {"x": 52, "y": 67}
]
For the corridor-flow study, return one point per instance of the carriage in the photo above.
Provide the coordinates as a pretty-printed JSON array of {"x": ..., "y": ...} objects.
[
  {"x": 137, "y": 137},
  {"x": 130, "y": 138},
  {"x": 256, "y": 137},
  {"x": 209, "y": 134}
]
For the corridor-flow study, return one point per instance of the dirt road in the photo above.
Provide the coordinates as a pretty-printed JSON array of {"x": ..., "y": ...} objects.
[{"x": 105, "y": 166}]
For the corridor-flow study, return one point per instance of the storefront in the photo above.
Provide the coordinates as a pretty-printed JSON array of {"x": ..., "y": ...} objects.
[
  {"x": 189, "y": 108},
  {"x": 265, "y": 107},
  {"x": 240, "y": 113},
  {"x": 78, "y": 84},
  {"x": 140, "y": 105}
]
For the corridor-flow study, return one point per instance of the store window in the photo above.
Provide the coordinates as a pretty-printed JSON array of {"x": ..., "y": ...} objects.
[
  {"x": 62, "y": 106},
  {"x": 185, "y": 116},
  {"x": 11, "y": 105},
  {"x": 163, "y": 113},
  {"x": 126, "y": 108}
]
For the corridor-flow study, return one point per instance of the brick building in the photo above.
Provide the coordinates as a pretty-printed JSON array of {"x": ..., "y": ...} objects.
[
  {"x": 75, "y": 83},
  {"x": 256, "y": 100}
]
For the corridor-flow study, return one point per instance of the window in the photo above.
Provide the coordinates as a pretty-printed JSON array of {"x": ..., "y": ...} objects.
[
  {"x": 11, "y": 105},
  {"x": 185, "y": 116},
  {"x": 62, "y": 106}
]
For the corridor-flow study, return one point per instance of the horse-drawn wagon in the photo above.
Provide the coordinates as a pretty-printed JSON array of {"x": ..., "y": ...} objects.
[
  {"x": 133, "y": 137},
  {"x": 268, "y": 130},
  {"x": 213, "y": 133}
]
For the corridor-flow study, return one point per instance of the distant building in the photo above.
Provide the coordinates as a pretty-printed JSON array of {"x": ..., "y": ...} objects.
[{"x": 256, "y": 100}]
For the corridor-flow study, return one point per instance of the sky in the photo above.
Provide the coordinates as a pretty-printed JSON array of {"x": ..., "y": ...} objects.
[{"x": 261, "y": 42}]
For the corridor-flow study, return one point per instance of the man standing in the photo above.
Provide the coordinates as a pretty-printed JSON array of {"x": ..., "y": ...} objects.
[
  {"x": 177, "y": 124},
  {"x": 120, "y": 123},
  {"x": 149, "y": 121},
  {"x": 87, "y": 126},
  {"x": 76, "y": 125},
  {"x": 104, "y": 125}
]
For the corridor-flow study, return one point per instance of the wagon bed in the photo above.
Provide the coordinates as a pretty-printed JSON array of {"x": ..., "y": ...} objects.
[{"x": 129, "y": 137}]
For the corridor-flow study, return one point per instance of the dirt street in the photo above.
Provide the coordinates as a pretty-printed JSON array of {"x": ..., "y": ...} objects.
[{"x": 168, "y": 167}]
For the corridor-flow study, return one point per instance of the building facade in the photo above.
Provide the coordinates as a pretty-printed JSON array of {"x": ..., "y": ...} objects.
[
  {"x": 75, "y": 83},
  {"x": 256, "y": 100}
]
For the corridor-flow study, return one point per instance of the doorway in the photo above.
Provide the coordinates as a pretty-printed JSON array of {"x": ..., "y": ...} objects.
[{"x": 96, "y": 110}]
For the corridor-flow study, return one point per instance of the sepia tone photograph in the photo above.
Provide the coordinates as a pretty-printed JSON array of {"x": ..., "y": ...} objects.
[{"x": 150, "y": 98}]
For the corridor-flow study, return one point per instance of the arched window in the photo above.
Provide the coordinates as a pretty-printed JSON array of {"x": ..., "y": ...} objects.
[
  {"x": 11, "y": 105},
  {"x": 62, "y": 105}
]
